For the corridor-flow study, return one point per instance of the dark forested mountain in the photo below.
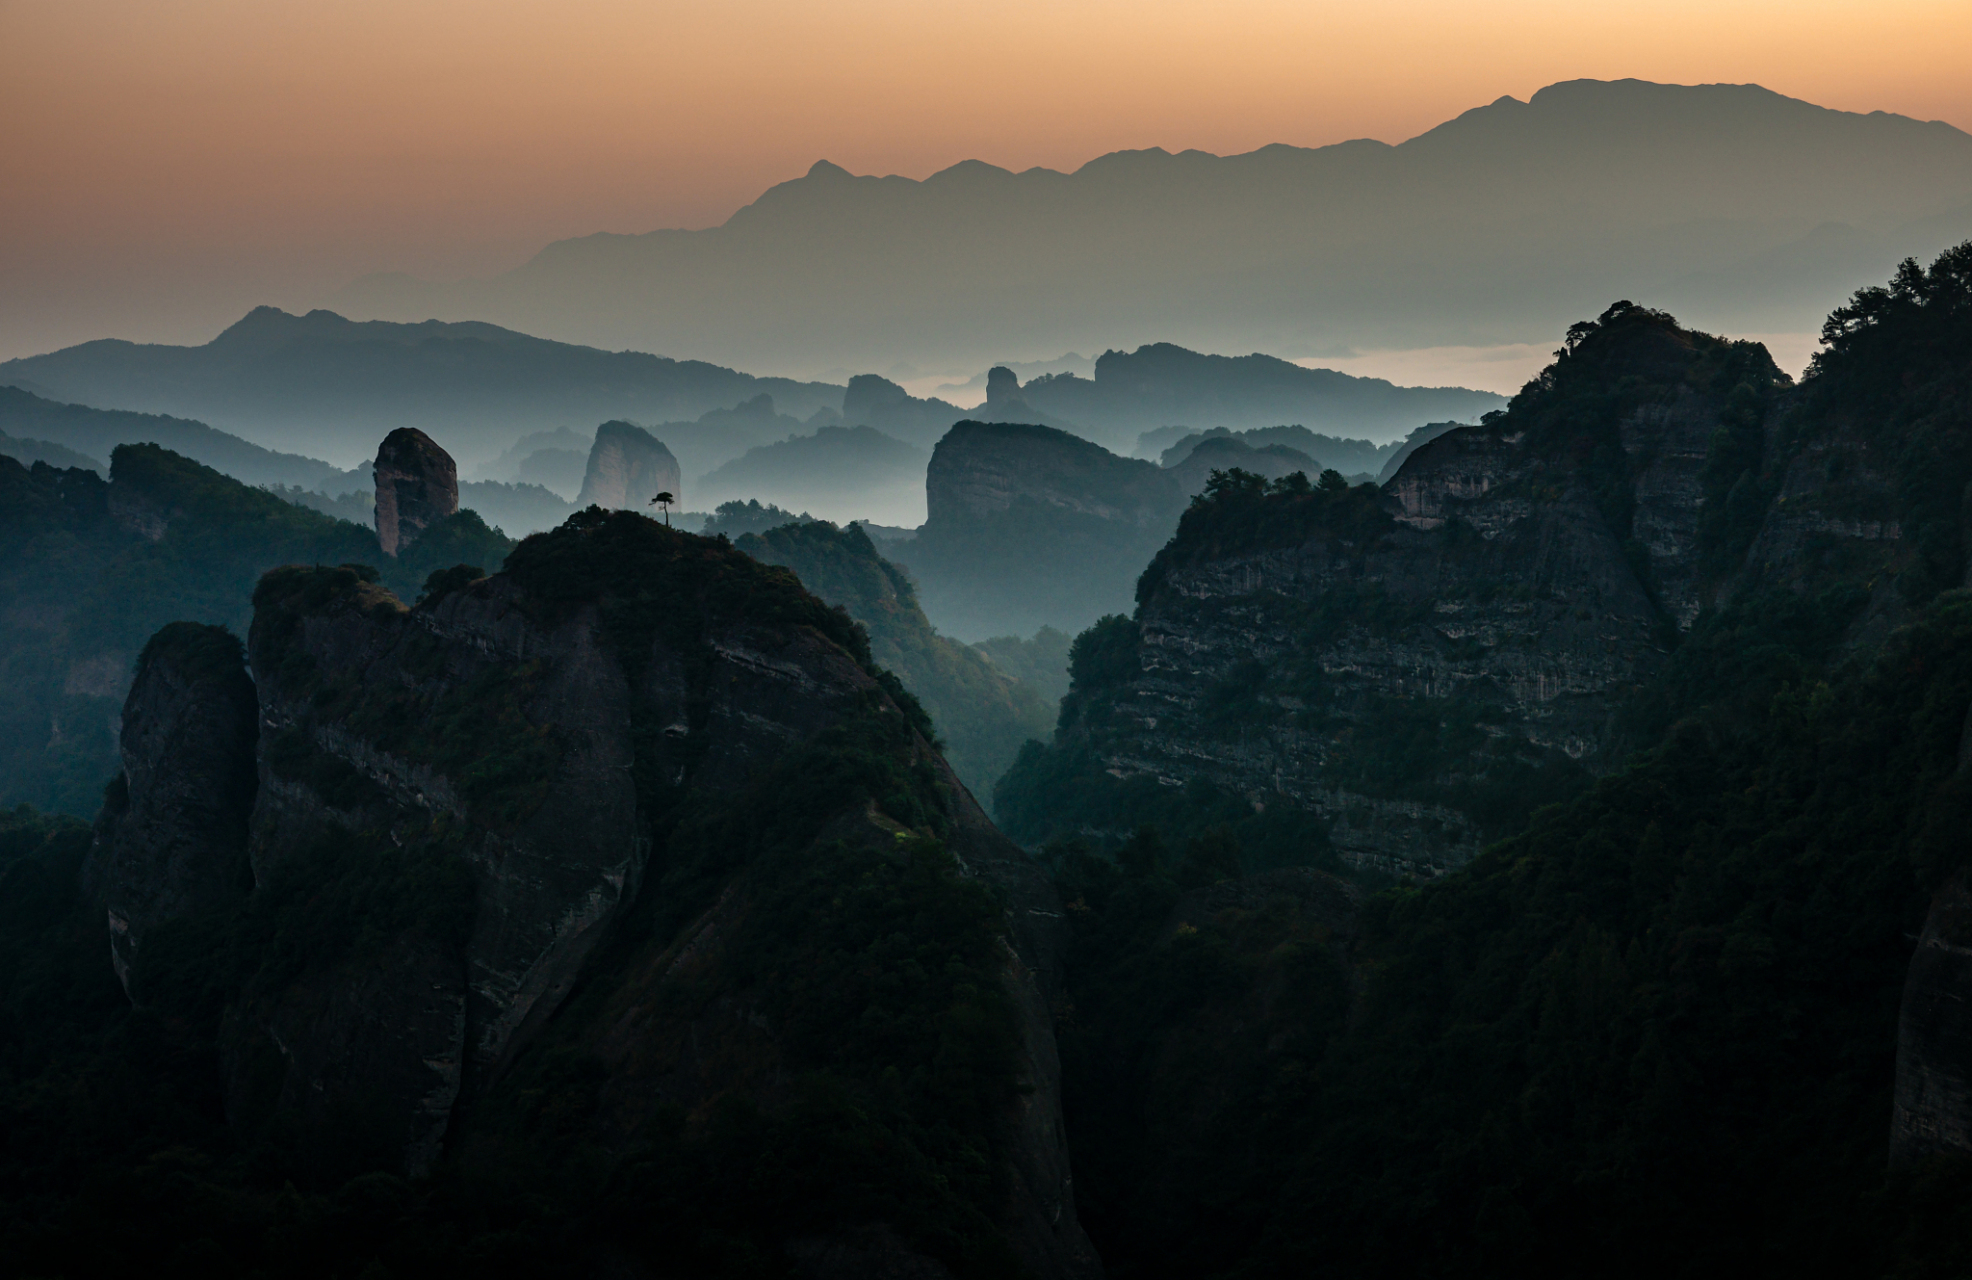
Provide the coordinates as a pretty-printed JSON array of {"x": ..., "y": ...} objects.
[
  {"x": 982, "y": 713},
  {"x": 1027, "y": 526},
  {"x": 1730, "y": 203},
  {"x": 321, "y": 382},
  {"x": 1671, "y": 1024},
  {"x": 612, "y": 911},
  {"x": 93, "y": 567}
]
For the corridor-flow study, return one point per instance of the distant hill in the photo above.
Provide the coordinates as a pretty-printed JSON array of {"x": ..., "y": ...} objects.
[
  {"x": 1162, "y": 384},
  {"x": 1732, "y": 204},
  {"x": 336, "y": 386},
  {"x": 1028, "y": 526},
  {"x": 838, "y": 472},
  {"x": 95, "y": 433},
  {"x": 982, "y": 713}
]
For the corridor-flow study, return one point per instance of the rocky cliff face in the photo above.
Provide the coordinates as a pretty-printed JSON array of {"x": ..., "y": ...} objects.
[
  {"x": 1222, "y": 453},
  {"x": 628, "y": 466},
  {"x": 172, "y": 839},
  {"x": 1416, "y": 665},
  {"x": 1029, "y": 526},
  {"x": 457, "y": 805}
]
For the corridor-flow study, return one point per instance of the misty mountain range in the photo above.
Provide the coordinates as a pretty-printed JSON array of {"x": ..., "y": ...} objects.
[
  {"x": 1729, "y": 203},
  {"x": 332, "y": 386}
]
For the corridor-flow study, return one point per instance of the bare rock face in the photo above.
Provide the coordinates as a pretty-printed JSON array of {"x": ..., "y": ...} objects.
[
  {"x": 172, "y": 842},
  {"x": 628, "y": 466},
  {"x": 417, "y": 486}
]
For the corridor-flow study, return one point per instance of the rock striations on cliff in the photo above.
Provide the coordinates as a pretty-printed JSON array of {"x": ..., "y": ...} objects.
[
  {"x": 636, "y": 765},
  {"x": 628, "y": 466},
  {"x": 417, "y": 486},
  {"x": 1414, "y": 667}
]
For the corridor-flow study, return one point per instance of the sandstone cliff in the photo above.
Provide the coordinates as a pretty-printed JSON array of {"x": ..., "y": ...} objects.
[
  {"x": 1414, "y": 667},
  {"x": 417, "y": 485},
  {"x": 628, "y": 466}
]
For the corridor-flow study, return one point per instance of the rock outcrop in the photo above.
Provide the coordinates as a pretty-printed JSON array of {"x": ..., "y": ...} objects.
[
  {"x": 628, "y": 466},
  {"x": 456, "y": 804},
  {"x": 1510, "y": 587},
  {"x": 1028, "y": 526},
  {"x": 417, "y": 486},
  {"x": 172, "y": 840}
]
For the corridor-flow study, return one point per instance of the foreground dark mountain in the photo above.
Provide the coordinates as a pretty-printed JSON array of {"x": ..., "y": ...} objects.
[
  {"x": 618, "y": 898},
  {"x": 1672, "y": 1024},
  {"x": 982, "y": 714},
  {"x": 1756, "y": 211},
  {"x": 304, "y": 381},
  {"x": 90, "y": 568}
]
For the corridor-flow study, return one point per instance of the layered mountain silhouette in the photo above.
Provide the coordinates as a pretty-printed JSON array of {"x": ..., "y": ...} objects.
[
  {"x": 1728, "y": 203},
  {"x": 288, "y": 381},
  {"x": 332, "y": 385}
]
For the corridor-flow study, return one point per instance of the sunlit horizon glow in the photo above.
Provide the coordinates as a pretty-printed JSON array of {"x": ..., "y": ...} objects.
[{"x": 169, "y": 164}]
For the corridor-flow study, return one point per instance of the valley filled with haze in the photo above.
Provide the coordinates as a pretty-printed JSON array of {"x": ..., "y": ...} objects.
[{"x": 1175, "y": 690}]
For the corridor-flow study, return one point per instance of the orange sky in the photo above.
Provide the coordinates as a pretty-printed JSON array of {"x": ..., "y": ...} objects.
[{"x": 164, "y": 163}]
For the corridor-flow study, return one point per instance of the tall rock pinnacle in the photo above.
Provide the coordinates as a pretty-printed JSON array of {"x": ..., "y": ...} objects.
[{"x": 417, "y": 486}]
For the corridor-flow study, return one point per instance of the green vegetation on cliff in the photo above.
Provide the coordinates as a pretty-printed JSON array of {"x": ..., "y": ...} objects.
[{"x": 1654, "y": 1029}]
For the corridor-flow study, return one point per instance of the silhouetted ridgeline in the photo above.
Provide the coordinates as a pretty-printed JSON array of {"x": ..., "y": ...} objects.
[
  {"x": 286, "y": 379},
  {"x": 1726, "y": 200}
]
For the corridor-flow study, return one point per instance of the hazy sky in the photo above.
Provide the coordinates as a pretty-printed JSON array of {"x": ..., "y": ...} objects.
[{"x": 166, "y": 163}]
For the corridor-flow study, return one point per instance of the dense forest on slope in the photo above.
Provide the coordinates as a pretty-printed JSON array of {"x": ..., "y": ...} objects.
[
  {"x": 1655, "y": 1029},
  {"x": 92, "y": 567}
]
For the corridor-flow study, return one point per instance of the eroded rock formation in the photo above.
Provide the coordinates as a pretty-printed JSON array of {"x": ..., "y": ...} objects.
[
  {"x": 417, "y": 486},
  {"x": 628, "y": 466},
  {"x": 457, "y": 803}
]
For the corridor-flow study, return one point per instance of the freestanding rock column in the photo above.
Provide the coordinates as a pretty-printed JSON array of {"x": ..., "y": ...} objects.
[
  {"x": 172, "y": 838},
  {"x": 417, "y": 486},
  {"x": 628, "y": 466}
]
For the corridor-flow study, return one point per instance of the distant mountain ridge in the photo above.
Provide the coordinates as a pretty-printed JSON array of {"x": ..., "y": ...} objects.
[
  {"x": 1730, "y": 203},
  {"x": 285, "y": 378}
]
